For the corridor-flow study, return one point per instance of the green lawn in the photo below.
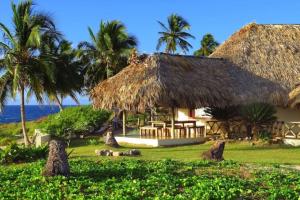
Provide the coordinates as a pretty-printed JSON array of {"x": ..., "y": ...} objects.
[
  {"x": 11, "y": 132},
  {"x": 240, "y": 151}
]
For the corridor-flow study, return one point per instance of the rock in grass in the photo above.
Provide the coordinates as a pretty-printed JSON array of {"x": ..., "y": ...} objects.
[
  {"x": 117, "y": 153},
  {"x": 215, "y": 152},
  {"x": 104, "y": 152},
  {"x": 132, "y": 152}
]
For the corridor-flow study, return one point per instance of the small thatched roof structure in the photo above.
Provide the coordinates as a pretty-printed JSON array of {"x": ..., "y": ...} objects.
[
  {"x": 268, "y": 51},
  {"x": 184, "y": 81}
]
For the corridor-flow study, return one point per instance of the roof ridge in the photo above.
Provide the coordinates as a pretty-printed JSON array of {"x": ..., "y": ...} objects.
[{"x": 187, "y": 56}]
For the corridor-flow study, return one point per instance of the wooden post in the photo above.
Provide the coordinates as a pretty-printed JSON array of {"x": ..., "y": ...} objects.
[
  {"x": 173, "y": 123},
  {"x": 138, "y": 123},
  {"x": 124, "y": 122}
]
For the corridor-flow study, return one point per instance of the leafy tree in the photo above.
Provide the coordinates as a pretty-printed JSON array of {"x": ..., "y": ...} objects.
[
  {"x": 68, "y": 78},
  {"x": 208, "y": 45},
  {"x": 23, "y": 71},
  {"x": 107, "y": 52},
  {"x": 174, "y": 34}
]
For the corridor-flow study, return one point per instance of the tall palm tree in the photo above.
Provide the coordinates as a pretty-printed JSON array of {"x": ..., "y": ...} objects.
[
  {"x": 22, "y": 69},
  {"x": 68, "y": 78},
  {"x": 109, "y": 47},
  {"x": 208, "y": 45},
  {"x": 174, "y": 34}
]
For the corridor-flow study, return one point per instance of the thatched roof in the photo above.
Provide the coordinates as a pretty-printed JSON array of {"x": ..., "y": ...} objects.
[
  {"x": 268, "y": 51},
  {"x": 183, "y": 81}
]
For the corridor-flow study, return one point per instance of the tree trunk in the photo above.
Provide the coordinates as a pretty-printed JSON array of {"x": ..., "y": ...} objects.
[
  {"x": 23, "y": 117},
  {"x": 58, "y": 103},
  {"x": 57, "y": 163},
  {"x": 110, "y": 139}
]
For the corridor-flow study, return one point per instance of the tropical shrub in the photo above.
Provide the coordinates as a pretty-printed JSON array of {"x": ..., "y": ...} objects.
[
  {"x": 256, "y": 115},
  {"x": 15, "y": 154},
  {"x": 74, "y": 120}
]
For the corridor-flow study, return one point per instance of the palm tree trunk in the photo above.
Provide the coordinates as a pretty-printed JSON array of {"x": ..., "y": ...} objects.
[
  {"x": 58, "y": 103},
  {"x": 23, "y": 117}
]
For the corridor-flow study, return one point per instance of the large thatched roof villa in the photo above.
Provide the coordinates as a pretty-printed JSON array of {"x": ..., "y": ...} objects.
[
  {"x": 271, "y": 52},
  {"x": 258, "y": 63}
]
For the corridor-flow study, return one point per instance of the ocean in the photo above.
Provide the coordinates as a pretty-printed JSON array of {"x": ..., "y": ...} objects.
[{"x": 33, "y": 112}]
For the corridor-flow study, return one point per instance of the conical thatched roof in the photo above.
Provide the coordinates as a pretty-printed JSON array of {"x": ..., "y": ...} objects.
[
  {"x": 183, "y": 81},
  {"x": 268, "y": 51}
]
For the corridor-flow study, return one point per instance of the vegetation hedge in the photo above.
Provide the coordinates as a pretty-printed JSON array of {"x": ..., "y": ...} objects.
[
  {"x": 137, "y": 179},
  {"x": 16, "y": 153},
  {"x": 74, "y": 120}
]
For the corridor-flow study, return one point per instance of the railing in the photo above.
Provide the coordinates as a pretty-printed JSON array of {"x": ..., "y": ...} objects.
[
  {"x": 235, "y": 129},
  {"x": 292, "y": 130}
]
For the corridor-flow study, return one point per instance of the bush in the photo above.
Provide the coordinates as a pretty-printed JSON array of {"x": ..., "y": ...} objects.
[
  {"x": 264, "y": 135},
  {"x": 15, "y": 154},
  {"x": 74, "y": 120}
]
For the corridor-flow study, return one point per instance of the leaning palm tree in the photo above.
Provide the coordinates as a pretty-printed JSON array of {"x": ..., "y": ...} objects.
[
  {"x": 208, "y": 45},
  {"x": 108, "y": 49},
  {"x": 67, "y": 71},
  {"x": 175, "y": 34},
  {"x": 22, "y": 69}
]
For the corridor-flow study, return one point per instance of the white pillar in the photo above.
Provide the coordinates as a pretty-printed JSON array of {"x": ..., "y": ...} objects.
[
  {"x": 124, "y": 122},
  {"x": 173, "y": 123}
]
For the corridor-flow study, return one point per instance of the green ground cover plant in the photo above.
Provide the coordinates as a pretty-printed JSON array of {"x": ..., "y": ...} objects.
[{"x": 164, "y": 179}]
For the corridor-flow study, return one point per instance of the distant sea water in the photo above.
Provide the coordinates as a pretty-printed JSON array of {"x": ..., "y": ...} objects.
[{"x": 12, "y": 113}]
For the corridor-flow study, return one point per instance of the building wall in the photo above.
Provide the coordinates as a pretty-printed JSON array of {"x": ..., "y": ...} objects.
[
  {"x": 288, "y": 114},
  {"x": 283, "y": 114},
  {"x": 183, "y": 114}
]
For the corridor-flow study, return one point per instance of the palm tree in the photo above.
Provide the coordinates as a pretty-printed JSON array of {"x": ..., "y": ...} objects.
[
  {"x": 108, "y": 49},
  {"x": 208, "y": 45},
  {"x": 68, "y": 78},
  {"x": 256, "y": 115},
  {"x": 22, "y": 69},
  {"x": 174, "y": 34}
]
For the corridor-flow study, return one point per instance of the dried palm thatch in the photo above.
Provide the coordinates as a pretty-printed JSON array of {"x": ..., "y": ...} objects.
[
  {"x": 268, "y": 51},
  {"x": 183, "y": 81}
]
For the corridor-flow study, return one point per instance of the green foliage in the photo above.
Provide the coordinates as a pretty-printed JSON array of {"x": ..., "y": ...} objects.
[
  {"x": 23, "y": 69},
  {"x": 208, "y": 45},
  {"x": 136, "y": 179},
  {"x": 223, "y": 114},
  {"x": 264, "y": 135},
  {"x": 107, "y": 53},
  {"x": 174, "y": 34},
  {"x": 258, "y": 113},
  {"x": 15, "y": 153},
  {"x": 74, "y": 120},
  {"x": 93, "y": 142}
]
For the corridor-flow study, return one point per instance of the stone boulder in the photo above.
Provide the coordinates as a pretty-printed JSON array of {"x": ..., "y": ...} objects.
[
  {"x": 104, "y": 152},
  {"x": 132, "y": 152},
  {"x": 116, "y": 153},
  {"x": 215, "y": 152}
]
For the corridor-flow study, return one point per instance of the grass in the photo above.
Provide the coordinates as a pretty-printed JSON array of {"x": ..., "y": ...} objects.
[
  {"x": 242, "y": 152},
  {"x": 11, "y": 132}
]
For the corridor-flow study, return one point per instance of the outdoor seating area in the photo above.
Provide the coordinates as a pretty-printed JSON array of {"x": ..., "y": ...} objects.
[{"x": 182, "y": 129}]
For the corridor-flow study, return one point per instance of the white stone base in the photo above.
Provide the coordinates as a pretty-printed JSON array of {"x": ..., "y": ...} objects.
[
  {"x": 156, "y": 142},
  {"x": 293, "y": 142}
]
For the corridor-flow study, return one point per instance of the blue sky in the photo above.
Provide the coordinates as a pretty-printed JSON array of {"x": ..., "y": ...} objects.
[{"x": 219, "y": 17}]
